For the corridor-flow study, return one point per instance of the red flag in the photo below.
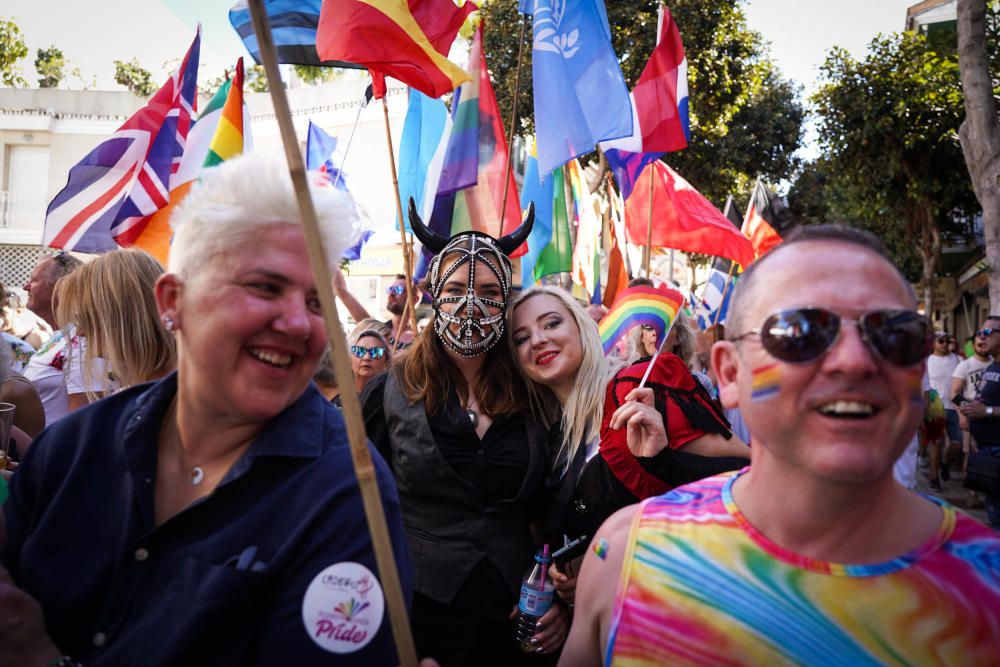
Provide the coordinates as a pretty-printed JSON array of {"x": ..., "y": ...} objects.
[
  {"x": 405, "y": 40},
  {"x": 759, "y": 224},
  {"x": 682, "y": 218}
]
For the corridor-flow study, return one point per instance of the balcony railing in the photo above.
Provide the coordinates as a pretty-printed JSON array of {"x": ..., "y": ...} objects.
[{"x": 22, "y": 217}]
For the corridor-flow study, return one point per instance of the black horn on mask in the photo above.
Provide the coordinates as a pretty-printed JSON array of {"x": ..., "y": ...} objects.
[
  {"x": 430, "y": 240},
  {"x": 513, "y": 241}
]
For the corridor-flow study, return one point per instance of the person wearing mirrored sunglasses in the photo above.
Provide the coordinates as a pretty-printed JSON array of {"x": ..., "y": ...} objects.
[
  {"x": 395, "y": 303},
  {"x": 825, "y": 358},
  {"x": 369, "y": 356},
  {"x": 983, "y": 413}
]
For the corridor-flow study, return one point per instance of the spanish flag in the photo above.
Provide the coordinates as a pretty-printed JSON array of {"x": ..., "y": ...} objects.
[
  {"x": 221, "y": 131},
  {"x": 408, "y": 41}
]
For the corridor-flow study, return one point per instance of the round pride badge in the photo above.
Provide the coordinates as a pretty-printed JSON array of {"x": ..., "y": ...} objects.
[{"x": 343, "y": 607}]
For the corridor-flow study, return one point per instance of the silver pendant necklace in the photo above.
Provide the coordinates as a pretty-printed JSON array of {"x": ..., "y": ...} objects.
[
  {"x": 197, "y": 475},
  {"x": 473, "y": 417}
]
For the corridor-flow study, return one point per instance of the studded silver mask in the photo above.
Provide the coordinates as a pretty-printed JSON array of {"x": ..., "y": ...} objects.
[{"x": 478, "y": 328}]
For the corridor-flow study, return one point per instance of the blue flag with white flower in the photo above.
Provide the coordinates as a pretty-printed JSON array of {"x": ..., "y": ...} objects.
[{"x": 580, "y": 93}]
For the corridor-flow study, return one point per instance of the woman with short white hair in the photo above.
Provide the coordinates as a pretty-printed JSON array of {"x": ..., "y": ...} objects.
[{"x": 212, "y": 517}]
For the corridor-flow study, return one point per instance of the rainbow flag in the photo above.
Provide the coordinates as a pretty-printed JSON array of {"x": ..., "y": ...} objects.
[
  {"x": 635, "y": 306},
  {"x": 227, "y": 141},
  {"x": 221, "y": 131}
]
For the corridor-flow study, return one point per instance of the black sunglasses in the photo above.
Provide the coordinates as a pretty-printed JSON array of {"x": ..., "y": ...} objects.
[
  {"x": 985, "y": 332},
  {"x": 803, "y": 335},
  {"x": 360, "y": 351}
]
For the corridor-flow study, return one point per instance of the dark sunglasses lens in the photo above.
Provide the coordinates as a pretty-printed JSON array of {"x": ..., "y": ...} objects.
[
  {"x": 902, "y": 337},
  {"x": 376, "y": 352},
  {"x": 799, "y": 335},
  {"x": 358, "y": 351}
]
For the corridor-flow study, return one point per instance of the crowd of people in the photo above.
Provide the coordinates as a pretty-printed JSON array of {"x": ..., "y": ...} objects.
[{"x": 182, "y": 490}]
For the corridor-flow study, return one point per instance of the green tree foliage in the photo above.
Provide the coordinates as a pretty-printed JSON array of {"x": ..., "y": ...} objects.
[
  {"x": 12, "y": 49},
  {"x": 888, "y": 126},
  {"x": 51, "y": 67},
  {"x": 134, "y": 77},
  {"x": 746, "y": 120},
  {"x": 311, "y": 75}
]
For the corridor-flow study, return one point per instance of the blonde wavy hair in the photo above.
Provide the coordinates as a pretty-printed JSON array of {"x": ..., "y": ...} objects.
[
  {"x": 580, "y": 418},
  {"x": 110, "y": 302}
]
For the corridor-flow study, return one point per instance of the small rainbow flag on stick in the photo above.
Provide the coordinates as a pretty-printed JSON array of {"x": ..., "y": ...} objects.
[{"x": 635, "y": 306}]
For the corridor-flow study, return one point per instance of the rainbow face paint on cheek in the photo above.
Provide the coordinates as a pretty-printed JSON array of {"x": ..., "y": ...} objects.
[
  {"x": 601, "y": 548},
  {"x": 766, "y": 382}
]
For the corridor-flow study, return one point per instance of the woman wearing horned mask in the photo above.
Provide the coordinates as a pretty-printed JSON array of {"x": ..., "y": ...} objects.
[{"x": 452, "y": 419}]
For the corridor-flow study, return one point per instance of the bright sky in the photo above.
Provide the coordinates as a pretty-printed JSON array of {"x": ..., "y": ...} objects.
[
  {"x": 801, "y": 32},
  {"x": 157, "y": 32}
]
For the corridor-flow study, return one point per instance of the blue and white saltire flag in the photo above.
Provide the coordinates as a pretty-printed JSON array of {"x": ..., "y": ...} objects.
[
  {"x": 422, "y": 148},
  {"x": 321, "y": 155},
  {"x": 712, "y": 307},
  {"x": 580, "y": 94}
]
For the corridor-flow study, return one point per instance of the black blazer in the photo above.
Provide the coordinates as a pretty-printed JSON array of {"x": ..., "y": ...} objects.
[{"x": 448, "y": 527}]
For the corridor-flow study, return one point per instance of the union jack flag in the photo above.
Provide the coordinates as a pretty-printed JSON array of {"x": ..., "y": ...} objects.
[{"x": 111, "y": 194}]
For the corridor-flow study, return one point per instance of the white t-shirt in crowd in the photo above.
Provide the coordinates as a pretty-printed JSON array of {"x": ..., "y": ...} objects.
[
  {"x": 971, "y": 371},
  {"x": 905, "y": 468},
  {"x": 941, "y": 369},
  {"x": 57, "y": 374}
]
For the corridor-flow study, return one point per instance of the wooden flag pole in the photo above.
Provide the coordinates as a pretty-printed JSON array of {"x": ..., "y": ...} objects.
[
  {"x": 513, "y": 119},
  {"x": 649, "y": 226},
  {"x": 360, "y": 456},
  {"x": 402, "y": 228}
]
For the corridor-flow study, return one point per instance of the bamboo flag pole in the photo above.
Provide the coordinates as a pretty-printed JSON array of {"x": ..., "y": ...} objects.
[
  {"x": 402, "y": 228},
  {"x": 732, "y": 262},
  {"x": 360, "y": 456},
  {"x": 649, "y": 226},
  {"x": 513, "y": 120}
]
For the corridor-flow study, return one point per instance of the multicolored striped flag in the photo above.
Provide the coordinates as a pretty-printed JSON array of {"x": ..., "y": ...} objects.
[
  {"x": 659, "y": 99},
  {"x": 587, "y": 250},
  {"x": 111, "y": 193},
  {"x": 405, "y": 40},
  {"x": 766, "y": 219},
  {"x": 422, "y": 152},
  {"x": 617, "y": 269},
  {"x": 221, "y": 131},
  {"x": 550, "y": 248},
  {"x": 641, "y": 305},
  {"x": 479, "y": 207}
]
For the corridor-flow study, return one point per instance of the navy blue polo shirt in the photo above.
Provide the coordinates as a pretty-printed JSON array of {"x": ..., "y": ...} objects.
[{"x": 225, "y": 581}]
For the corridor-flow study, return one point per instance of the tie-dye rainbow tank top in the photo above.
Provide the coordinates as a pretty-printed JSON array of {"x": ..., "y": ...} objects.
[{"x": 700, "y": 586}]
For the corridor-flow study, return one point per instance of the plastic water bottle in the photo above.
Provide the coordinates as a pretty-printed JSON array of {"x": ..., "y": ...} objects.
[{"x": 536, "y": 598}]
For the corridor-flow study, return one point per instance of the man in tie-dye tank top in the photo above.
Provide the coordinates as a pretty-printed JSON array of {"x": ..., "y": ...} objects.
[{"x": 813, "y": 555}]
